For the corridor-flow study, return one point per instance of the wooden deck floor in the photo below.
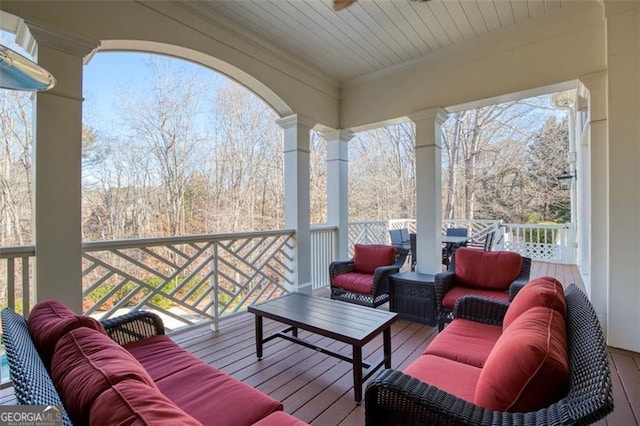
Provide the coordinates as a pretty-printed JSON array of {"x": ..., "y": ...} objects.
[{"x": 318, "y": 389}]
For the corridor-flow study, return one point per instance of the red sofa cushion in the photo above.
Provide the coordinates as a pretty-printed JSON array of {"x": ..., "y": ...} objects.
[
  {"x": 492, "y": 270},
  {"x": 50, "y": 320},
  {"x": 354, "y": 281},
  {"x": 450, "y": 297},
  {"x": 465, "y": 341},
  {"x": 190, "y": 383},
  {"x": 134, "y": 403},
  {"x": 367, "y": 258},
  {"x": 280, "y": 418},
  {"x": 85, "y": 364},
  {"x": 543, "y": 291},
  {"x": 528, "y": 367},
  {"x": 457, "y": 378}
]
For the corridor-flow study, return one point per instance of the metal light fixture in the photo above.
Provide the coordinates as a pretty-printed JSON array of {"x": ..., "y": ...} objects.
[
  {"x": 20, "y": 73},
  {"x": 565, "y": 179}
]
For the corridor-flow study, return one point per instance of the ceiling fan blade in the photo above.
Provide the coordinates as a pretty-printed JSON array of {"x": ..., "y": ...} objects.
[{"x": 342, "y": 4}]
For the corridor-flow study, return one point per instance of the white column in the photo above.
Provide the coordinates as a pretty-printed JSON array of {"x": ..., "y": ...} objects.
[
  {"x": 429, "y": 189},
  {"x": 297, "y": 205},
  {"x": 623, "y": 204},
  {"x": 338, "y": 187},
  {"x": 57, "y": 166},
  {"x": 598, "y": 235}
]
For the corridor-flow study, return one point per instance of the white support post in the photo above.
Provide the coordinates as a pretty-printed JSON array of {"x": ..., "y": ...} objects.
[
  {"x": 57, "y": 159},
  {"x": 297, "y": 205},
  {"x": 429, "y": 189},
  {"x": 338, "y": 187},
  {"x": 622, "y": 30},
  {"x": 598, "y": 237}
]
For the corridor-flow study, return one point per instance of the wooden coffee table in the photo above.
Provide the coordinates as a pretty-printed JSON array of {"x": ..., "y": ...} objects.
[{"x": 344, "y": 322}]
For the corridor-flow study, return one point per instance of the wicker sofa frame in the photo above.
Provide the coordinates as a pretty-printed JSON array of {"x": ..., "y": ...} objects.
[
  {"x": 443, "y": 282},
  {"x": 380, "y": 290},
  {"x": 394, "y": 398},
  {"x": 31, "y": 381}
]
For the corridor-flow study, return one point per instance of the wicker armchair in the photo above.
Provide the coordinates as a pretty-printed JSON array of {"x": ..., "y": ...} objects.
[
  {"x": 446, "y": 281},
  {"x": 377, "y": 291},
  {"x": 394, "y": 398}
]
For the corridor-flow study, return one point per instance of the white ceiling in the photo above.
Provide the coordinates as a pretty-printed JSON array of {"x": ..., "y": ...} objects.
[{"x": 370, "y": 35}]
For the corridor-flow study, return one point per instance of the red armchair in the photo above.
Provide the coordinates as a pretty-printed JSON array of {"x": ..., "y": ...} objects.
[
  {"x": 496, "y": 275},
  {"x": 364, "y": 280}
]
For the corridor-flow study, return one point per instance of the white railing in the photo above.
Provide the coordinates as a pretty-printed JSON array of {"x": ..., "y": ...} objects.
[
  {"x": 539, "y": 242},
  {"x": 374, "y": 232},
  {"x": 192, "y": 280},
  {"x": 552, "y": 243},
  {"x": 16, "y": 273},
  {"x": 323, "y": 252}
]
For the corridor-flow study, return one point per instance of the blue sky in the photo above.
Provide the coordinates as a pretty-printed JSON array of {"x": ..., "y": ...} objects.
[{"x": 107, "y": 73}]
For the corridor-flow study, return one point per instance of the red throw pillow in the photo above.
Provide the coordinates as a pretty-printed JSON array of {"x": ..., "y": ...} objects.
[
  {"x": 85, "y": 364},
  {"x": 367, "y": 258},
  {"x": 50, "y": 320},
  {"x": 543, "y": 291},
  {"x": 528, "y": 367},
  {"x": 134, "y": 403},
  {"x": 493, "y": 270}
]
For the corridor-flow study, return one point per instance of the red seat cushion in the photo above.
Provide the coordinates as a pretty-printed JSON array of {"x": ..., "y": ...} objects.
[
  {"x": 457, "y": 378},
  {"x": 543, "y": 291},
  {"x": 367, "y": 258},
  {"x": 491, "y": 270},
  {"x": 354, "y": 281},
  {"x": 449, "y": 299},
  {"x": 85, "y": 364},
  {"x": 50, "y": 320},
  {"x": 190, "y": 383},
  {"x": 465, "y": 341},
  {"x": 134, "y": 403},
  {"x": 528, "y": 368}
]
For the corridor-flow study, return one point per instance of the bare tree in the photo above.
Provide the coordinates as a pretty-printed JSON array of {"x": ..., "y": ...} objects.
[
  {"x": 15, "y": 167},
  {"x": 164, "y": 122}
]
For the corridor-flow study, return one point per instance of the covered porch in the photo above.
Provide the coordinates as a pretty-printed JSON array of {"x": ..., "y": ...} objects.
[{"x": 590, "y": 48}]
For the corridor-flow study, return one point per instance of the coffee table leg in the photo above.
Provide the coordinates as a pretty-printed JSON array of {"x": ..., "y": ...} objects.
[
  {"x": 357, "y": 373},
  {"x": 259, "y": 336},
  {"x": 386, "y": 342}
]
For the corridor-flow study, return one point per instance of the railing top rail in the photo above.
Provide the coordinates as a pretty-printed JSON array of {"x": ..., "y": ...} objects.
[
  {"x": 534, "y": 225},
  {"x": 150, "y": 242},
  {"x": 322, "y": 227},
  {"x": 17, "y": 251},
  {"x": 364, "y": 222}
]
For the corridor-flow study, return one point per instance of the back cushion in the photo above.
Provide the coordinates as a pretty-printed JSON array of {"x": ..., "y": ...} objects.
[
  {"x": 543, "y": 291},
  {"x": 134, "y": 403},
  {"x": 493, "y": 270},
  {"x": 85, "y": 364},
  {"x": 367, "y": 258},
  {"x": 528, "y": 367},
  {"x": 50, "y": 320}
]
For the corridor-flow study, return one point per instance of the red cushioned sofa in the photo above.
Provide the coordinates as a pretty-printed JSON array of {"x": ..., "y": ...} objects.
[
  {"x": 123, "y": 371},
  {"x": 539, "y": 360},
  {"x": 496, "y": 275}
]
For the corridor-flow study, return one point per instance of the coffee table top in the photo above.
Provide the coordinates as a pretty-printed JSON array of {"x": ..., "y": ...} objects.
[{"x": 338, "y": 320}]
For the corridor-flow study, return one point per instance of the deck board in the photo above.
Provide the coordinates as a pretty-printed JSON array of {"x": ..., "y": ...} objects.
[{"x": 318, "y": 388}]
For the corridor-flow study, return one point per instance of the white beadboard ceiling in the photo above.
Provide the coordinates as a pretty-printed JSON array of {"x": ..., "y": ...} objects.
[{"x": 370, "y": 35}]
